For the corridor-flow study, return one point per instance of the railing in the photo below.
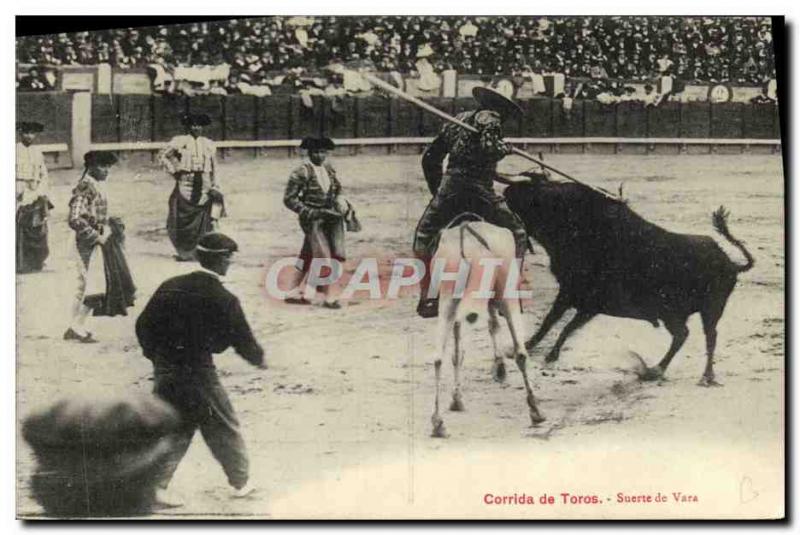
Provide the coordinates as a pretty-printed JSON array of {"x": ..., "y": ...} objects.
[{"x": 142, "y": 122}]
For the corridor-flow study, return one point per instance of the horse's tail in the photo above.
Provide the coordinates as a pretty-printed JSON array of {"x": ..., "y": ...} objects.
[
  {"x": 471, "y": 309},
  {"x": 466, "y": 227}
]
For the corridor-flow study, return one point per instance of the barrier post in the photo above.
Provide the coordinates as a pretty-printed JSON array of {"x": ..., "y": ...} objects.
[
  {"x": 81, "y": 134},
  {"x": 104, "y": 78}
]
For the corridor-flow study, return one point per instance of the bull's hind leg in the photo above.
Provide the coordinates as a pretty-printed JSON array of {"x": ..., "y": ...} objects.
[
  {"x": 458, "y": 359},
  {"x": 560, "y": 306},
  {"x": 711, "y": 316},
  {"x": 680, "y": 332},
  {"x": 514, "y": 319},
  {"x": 711, "y": 343},
  {"x": 580, "y": 319},
  {"x": 498, "y": 366}
]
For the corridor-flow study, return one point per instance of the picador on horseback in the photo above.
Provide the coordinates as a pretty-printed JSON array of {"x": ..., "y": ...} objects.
[{"x": 467, "y": 185}]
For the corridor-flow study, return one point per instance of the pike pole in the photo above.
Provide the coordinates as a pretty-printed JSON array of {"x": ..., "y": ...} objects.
[{"x": 374, "y": 80}]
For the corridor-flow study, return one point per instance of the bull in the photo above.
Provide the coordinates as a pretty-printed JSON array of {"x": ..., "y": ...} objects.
[{"x": 609, "y": 260}]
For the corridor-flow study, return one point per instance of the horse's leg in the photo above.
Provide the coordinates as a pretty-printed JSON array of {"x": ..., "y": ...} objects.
[
  {"x": 498, "y": 367},
  {"x": 447, "y": 310},
  {"x": 458, "y": 359},
  {"x": 514, "y": 319}
]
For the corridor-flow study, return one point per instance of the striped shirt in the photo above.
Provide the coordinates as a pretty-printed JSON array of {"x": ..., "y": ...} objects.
[
  {"x": 31, "y": 174},
  {"x": 186, "y": 157},
  {"x": 88, "y": 211},
  {"x": 190, "y": 154}
]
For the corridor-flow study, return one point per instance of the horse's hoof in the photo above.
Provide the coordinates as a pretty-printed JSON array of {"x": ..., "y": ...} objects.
[
  {"x": 651, "y": 374},
  {"x": 536, "y": 418},
  {"x": 708, "y": 381},
  {"x": 457, "y": 405},
  {"x": 499, "y": 372}
]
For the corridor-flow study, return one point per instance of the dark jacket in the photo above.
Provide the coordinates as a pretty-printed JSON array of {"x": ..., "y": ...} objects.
[
  {"x": 189, "y": 318},
  {"x": 473, "y": 156},
  {"x": 304, "y": 194}
]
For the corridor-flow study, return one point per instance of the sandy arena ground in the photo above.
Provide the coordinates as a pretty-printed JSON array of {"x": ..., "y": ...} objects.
[{"x": 339, "y": 425}]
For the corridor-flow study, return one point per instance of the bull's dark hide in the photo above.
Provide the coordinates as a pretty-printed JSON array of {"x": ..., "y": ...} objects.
[{"x": 609, "y": 260}]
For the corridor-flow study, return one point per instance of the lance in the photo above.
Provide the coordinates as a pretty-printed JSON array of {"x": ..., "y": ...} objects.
[{"x": 374, "y": 80}]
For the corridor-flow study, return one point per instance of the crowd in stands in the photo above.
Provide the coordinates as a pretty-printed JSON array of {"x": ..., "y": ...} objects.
[{"x": 269, "y": 51}]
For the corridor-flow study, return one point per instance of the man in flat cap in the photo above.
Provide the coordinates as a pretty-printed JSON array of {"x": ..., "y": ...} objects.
[
  {"x": 100, "y": 455},
  {"x": 468, "y": 184},
  {"x": 196, "y": 203},
  {"x": 189, "y": 318},
  {"x": 33, "y": 204},
  {"x": 314, "y": 194},
  {"x": 88, "y": 217}
]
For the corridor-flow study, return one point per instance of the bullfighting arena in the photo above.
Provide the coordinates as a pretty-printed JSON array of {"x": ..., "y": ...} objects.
[{"x": 339, "y": 425}]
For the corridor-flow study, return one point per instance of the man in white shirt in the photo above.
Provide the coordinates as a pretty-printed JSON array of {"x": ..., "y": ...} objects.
[
  {"x": 468, "y": 30},
  {"x": 196, "y": 203},
  {"x": 32, "y": 202}
]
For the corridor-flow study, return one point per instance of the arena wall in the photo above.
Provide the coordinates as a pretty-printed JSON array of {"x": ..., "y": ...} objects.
[{"x": 143, "y": 122}]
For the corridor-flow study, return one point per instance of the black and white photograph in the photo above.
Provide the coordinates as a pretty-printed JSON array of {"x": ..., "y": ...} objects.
[{"x": 400, "y": 267}]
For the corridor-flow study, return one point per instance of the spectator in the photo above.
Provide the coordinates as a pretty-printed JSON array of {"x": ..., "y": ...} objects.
[
  {"x": 734, "y": 49},
  {"x": 215, "y": 88},
  {"x": 650, "y": 98},
  {"x": 35, "y": 80},
  {"x": 428, "y": 79}
]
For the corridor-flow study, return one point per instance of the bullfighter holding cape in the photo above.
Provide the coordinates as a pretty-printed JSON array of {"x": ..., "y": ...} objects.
[
  {"x": 33, "y": 204},
  {"x": 314, "y": 193},
  {"x": 105, "y": 285},
  {"x": 196, "y": 203}
]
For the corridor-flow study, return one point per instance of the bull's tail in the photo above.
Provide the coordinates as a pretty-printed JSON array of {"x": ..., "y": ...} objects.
[{"x": 720, "y": 221}]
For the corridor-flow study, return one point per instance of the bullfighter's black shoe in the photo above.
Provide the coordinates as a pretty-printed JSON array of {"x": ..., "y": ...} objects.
[
  {"x": 296, "y": 301},
  {"x": 70, "y": 334},
  {"x": 428, "y": 308}
]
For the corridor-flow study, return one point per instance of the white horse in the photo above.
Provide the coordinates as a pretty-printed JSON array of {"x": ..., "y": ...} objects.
[{"x": 488, "y": 252}]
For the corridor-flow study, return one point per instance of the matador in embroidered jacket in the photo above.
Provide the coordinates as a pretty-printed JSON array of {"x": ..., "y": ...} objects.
[
  {"x": 314, "y": 194},
  {"x": 196, "y": 203}
]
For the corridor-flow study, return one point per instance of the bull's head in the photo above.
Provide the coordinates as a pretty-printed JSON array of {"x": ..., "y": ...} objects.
[
  {"x": 558, "y": 213},
  {"x": 529, "y": 200}
]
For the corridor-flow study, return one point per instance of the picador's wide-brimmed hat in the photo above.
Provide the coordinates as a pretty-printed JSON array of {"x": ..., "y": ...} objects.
[
  {"x": 317, "y": 143},
  {"x": 217, "y": 243},
  {"x": 196, "y": 119},
  {"x": 96, "y": 157},
  {"x": 491, "y": 99},
  {"x": 30, "y": 127}
]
